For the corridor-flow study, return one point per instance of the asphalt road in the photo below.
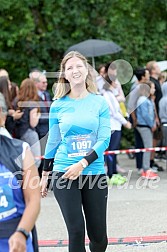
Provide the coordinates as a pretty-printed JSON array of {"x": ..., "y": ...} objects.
[{"x": 137, "y": 209}]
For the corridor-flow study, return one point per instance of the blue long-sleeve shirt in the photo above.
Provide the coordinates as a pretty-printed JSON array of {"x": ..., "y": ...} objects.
[{"x": 75, "y": 127}]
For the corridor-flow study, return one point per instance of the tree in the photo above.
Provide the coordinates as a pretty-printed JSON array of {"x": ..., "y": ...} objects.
[{"x": 37, "y": 33}]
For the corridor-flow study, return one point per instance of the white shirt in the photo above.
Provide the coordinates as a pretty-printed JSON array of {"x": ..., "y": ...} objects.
[{"x": 116, "y": 118}]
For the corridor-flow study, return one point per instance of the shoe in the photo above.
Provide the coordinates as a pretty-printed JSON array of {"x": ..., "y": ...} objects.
[
  {"x": 155, "y": 165},
  {"x": 154, "y": 169},
  {"x": 164, "y": 157},
  {"x": 118, "y": 179},
  {"x": 158, "y": 157},
  {"x": 139, "y": 171},
  {"x": 149, "y": 175},
  {"x": 160, "y": 168}
]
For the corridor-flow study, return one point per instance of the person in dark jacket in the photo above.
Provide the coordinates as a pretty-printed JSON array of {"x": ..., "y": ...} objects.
[
  {"x": 155, "y": 72},
  {"x": 42, "y": 128}
]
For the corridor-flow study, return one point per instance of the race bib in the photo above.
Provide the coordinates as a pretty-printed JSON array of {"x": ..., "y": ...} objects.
[
  {"x": 80, "y": 145},
  {"x": 7, "y": 204}
]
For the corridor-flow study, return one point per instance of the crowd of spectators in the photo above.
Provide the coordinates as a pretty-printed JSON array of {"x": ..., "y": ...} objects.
[{"x": 27, "y": 108}]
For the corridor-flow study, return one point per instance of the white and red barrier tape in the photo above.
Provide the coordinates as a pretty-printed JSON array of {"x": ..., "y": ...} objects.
[
  {"x": 135, "y": 150},
  {"x": 127, "y": 151}
]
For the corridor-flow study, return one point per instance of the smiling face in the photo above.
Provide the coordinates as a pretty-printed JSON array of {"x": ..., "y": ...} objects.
[{"x": 76, "y": 71}]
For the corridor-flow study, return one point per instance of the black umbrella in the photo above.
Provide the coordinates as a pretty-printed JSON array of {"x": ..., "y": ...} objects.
[{"x": 95, "y": 47}]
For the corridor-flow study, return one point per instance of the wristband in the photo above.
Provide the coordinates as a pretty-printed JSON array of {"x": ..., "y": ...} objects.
[
  {"x": 48, "y": 164},
  {"x": 91, "y": 156},
  {"x": 23, "y": 231}
]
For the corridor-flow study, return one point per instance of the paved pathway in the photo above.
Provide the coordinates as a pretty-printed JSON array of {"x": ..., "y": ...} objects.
[{"x": 135, "y": 209}]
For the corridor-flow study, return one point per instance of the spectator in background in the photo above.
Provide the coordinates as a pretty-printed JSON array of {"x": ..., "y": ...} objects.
[
  {"x": 27, "y": 101},
  {"x": 117, "y": 121},
  {"x": 4, "y": 73},
  {"x": 155, "y": 72},
  {"x": 163, "y": 141},
  {"x": 12, "y": 114},
  {"x": 14, "y": 91},
  {"x": 42, "y": 128},
  {"x": 146, "y": 124},
  {"x": 163, "y": 112},
  {"x": 41, "y": 84},
  {"x": 2, "y": 101},
  {"x": 4, "y": 89},
  {"x": 102, "y": 70},
  {"x": 111, "y": 72},
  {"x": 3, "y": 105},
  {"x": 100, "y": 77},
  {"x": 142, "y": 75},
  {"x": 110, "y": 76},
  {"x": 162, "y": 78},
  {"x": 13, "y": 87}
]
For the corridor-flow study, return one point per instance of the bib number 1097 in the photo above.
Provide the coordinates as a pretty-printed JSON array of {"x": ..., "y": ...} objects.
[{"x": 81, "y": 145}]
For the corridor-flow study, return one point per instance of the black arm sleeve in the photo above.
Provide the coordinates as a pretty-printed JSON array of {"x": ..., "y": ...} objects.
[
  {"x": 48, "y": 164},
  {"x": 91, "y": 156}
]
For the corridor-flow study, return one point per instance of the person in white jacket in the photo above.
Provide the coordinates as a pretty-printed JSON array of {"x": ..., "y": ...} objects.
[{"x": 116, "y": 121}]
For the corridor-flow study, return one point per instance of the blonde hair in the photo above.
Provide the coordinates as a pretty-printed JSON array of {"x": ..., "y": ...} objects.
[
  {"x": 62, "y": 87},
  {"x": 4, "y": 73},
  {"x": 150, "y": 66},
  {"x": 162, "y": 77}
]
